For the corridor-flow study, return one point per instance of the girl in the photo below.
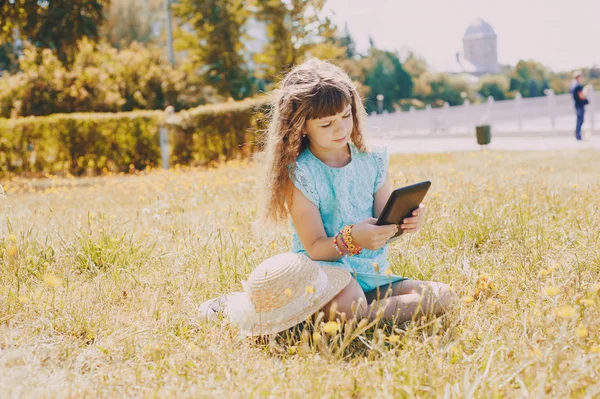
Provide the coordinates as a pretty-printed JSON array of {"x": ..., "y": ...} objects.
[{"x": 320, "y": 173}]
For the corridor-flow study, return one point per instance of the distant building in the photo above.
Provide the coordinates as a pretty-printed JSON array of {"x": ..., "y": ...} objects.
[{"x": 480, "y": 51}]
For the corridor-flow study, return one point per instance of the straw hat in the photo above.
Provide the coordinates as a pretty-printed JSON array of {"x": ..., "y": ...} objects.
[{"x": 284, "y": 291}]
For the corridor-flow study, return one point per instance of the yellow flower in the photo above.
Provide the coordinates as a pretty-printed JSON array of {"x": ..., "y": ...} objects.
[
  {"x": 12, "y": 238},
  {"x": 331, "y": 327},
  {"x": 388, "y": 272},
  {"x": 581, "y": 331},
  {"x": 565, "y": 312},
  {"x": 468, "y": 298},
  {"x": 288, "y": 292},
  {"x": 23, "y": 299},
  {"x": 524, "y": 197},
  {"x": 392, "y": 339},
  {"x": 316, "y": 336},
  {"x": 310, "y": 290},
  {"x": 551, "y": 290},
  {"x": 13, "y": 251},
  {"x": 595, "y": 349},
  {"x": 587, "y": 302},
  {"x": 376, "y": 266},
  {"x": 52, "y": 281}
]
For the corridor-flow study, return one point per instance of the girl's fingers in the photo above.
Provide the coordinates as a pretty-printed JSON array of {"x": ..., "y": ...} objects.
[{"x": 409, "y": 226}]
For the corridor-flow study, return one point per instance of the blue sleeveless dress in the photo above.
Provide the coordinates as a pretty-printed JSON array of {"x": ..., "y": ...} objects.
[{"x": 346, "y": 196}]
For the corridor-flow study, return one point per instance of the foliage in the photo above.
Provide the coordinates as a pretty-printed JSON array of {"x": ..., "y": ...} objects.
[
  {"x": 101, "y": 79},
  {"x": 121, "y": 142},
  {"x": 215, "y": 49},
  {"x": 52, "y": 24},
  {"x": 530, "y": 78},
  {"x": 385, "y": 75},
  {"x": 128, "y": 21},
  {"x": 495, "y": 86},
  {"x": 294, "y": 28},
  {"x": 439, "y": 88}
]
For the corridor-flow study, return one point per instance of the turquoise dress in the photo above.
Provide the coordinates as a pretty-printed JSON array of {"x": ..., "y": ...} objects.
[{"x": 345, "y": 196}]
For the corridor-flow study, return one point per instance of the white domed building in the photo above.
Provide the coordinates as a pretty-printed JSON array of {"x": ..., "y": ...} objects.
[{"x": 480, "y": 51}]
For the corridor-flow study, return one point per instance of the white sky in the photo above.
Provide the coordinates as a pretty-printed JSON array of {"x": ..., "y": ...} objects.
[{"x": 561, "y": 34}]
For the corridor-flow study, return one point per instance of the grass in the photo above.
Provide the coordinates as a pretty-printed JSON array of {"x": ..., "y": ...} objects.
[{"x": 101, "y": 277}]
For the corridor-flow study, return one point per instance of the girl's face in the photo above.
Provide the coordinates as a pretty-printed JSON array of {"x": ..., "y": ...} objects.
[{"x": 332, "y": 132}]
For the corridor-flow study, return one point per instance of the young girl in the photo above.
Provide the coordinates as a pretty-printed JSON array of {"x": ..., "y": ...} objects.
[{"x": 320, "y": 173}]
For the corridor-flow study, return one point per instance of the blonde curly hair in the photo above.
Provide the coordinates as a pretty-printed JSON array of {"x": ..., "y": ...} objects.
[{"x": 314, "y": 89}]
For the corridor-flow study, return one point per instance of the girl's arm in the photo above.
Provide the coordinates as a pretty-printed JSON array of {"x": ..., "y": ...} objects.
[
  {"x": 381, "y": 197},
  {"x": 309, "y": 226}
]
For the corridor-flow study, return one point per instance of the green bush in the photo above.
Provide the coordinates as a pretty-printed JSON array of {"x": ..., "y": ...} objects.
[
  {"x": 120, "y": 142},
  {"x": 101, "y": 79}
]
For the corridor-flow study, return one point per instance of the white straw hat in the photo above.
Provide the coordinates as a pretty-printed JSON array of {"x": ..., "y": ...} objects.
[{"x": 283, "y": 291}]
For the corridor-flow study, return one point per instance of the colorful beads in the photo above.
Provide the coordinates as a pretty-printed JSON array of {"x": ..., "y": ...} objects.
[{"x": 346, "y": 240}]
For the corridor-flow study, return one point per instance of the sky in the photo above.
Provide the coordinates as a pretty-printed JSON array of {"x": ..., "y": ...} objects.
[{"x": 561, "y": 34}]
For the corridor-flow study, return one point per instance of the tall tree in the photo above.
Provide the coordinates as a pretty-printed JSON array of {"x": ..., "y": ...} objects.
[
  {"x": 54, "y": 24},
  {"x": 215, "y": 47},
  {"x": 294, "y": 27},
  {"x": 530, "y": 78},
  {"x": 347, "y": 41},
  {"x": 385, "y": 75},
  {"x": 127, "y": 21}
]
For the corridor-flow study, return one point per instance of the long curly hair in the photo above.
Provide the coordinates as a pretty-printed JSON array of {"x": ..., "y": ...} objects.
[{"x": 314, "y": 89}]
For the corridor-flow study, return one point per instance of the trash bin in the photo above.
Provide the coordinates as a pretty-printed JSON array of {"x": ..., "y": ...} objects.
[{"x": 484, "y": 134}]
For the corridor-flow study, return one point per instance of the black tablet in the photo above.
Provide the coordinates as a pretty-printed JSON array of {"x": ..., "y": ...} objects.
[{"x": 402, "y": 203}]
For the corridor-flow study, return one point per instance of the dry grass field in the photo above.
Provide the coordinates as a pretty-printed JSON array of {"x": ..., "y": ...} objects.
[{"x": 100, "y": 279}]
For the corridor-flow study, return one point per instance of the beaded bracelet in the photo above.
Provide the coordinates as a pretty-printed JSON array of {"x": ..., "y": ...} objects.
[
  {"x": 347, "y": 240},
  {"x": 335, "y": 244}
]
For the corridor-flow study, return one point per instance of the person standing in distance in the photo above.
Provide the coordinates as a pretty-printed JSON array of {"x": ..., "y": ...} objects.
[{"x": 580, "y": 101}]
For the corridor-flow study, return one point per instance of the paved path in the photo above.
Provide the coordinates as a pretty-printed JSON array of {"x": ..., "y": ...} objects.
[{"x": 459, "y": 144}]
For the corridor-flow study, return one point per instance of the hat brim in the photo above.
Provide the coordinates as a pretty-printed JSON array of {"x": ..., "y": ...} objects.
[{"x": 251, "y": 323}]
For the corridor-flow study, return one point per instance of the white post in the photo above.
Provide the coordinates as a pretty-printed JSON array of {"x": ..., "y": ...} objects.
[
  {"x": 592, "y": 108},
  {"x": 518, "y": 101},
  {"x": 466, "y": 107},
  {"x": 165, "y": 148},
  {"x": 490, "y": 106},
  {"x": 379, "y": 103},
  {"x": 445, "y": 119},
  {"x": 550, "y": 101},
  {"x": 429, "y": 117}
]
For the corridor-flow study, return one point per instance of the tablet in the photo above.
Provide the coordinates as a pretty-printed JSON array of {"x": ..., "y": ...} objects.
[{"x": 402, "y": 203}]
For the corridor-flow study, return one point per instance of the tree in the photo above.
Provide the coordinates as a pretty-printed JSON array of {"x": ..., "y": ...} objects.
[
  {"x": 440, "y": 88},
  {"x": 127, "y": 21},
  {"x": 415, "y": 65},
  {"x": 347, "y": 41},
  {"x": 53, "y": 24},
  {"x": 294, "y": 27},
  {"x": 215, "y": 47},
  {"x": 530, "y": 78},
  {"x": 495, "y": 86},
  {"x": 385, "y": 75}
]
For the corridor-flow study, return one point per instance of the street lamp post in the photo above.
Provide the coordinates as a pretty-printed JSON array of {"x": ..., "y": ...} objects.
[{"x": 169, "y": 33}]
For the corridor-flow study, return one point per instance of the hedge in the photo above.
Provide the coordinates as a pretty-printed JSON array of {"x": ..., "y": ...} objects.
[{"x": 96, "y": 143}]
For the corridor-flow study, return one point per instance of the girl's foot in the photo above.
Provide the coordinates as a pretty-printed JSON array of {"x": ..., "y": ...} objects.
[{"x": 210, "y": 310}]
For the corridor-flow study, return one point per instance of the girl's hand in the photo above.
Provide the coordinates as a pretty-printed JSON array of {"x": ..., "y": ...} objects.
[
  {"x": 414, "y": 223},
  {"x": 368, "y": 235}
]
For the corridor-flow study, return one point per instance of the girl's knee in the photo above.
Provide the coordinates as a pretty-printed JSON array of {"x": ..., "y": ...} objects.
[
  {"x": 439, "y": 297},
  {"x": 351, "y": 301}
]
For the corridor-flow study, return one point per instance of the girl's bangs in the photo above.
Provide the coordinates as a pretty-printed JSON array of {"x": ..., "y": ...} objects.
[{"x": 327, "y": 101}]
